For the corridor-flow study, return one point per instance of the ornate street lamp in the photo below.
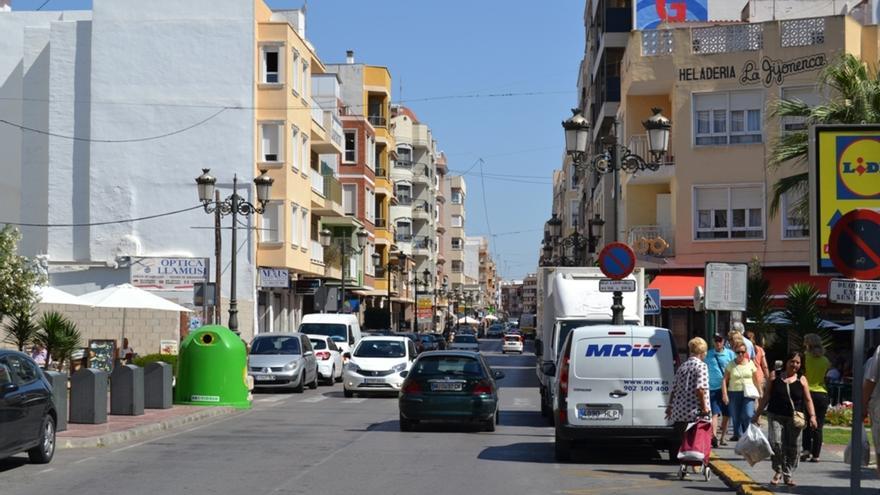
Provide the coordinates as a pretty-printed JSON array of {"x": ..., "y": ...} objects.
[
  {"x": 616, "y": 156},
  {"x": 594, "y": 224},
  {"x": 659, "y": 128},
  {"x": 233, "y": 205},
  {"x": 345, "y": 251},
  {"x": 577, "y": 135}
]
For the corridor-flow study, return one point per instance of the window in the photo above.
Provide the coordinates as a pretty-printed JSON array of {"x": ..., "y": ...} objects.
[
  {"x": 306, "y": 162},
  {"x": 457, "y": 196},
  {"x": 729, "y": 212},
  {"x": 575, "y": 213},
  {"x": 794, "y": 226},
  {"x": 305, "y": 77},
  {"x": 371, "y": 205},
  {"x": 457, "y": 266},
  {"x": 404, "y": 231},
  {"x": 457, "y": 243},
  {"x": 404, "y": 194},
  {"x": 294, "y": 151},
  {"x": 574, "y": 177},
  {"x": 350, "y": 147},
  {"x": 457, "y": 221},
  {"x": 270, "y": 65},
  {"x": 728, "y": 118},
  {"x": 807, "y": 94},
  {"x": 294, "y": 74},
  {"x": 270, "y": 137},
  {"x": 303, "y": 227},
  {"x": 294, "y": 224},
  {"x": 349, "y": 199},
  {"x": 270, "y": 228}
]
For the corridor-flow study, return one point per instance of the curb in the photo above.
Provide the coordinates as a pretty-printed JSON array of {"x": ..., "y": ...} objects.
[
  {"x": 737, "y": 479},
  {"x": 118, "y": 437}
]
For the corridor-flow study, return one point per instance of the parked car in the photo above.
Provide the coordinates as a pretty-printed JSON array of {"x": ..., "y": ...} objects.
[
  {"x": 416, "y": 338},
  {"x": 376, "y": 363},
  {"x": 450, "y": 386},
  {"x": 27, "y": 411},
  {"x": 329, "y": 358},
  {"x": 495, "y": 331},
  {"x": 512, "y": 343},
  {"x": 283, "y": 360},
  {"x": 464, "y": 342}
]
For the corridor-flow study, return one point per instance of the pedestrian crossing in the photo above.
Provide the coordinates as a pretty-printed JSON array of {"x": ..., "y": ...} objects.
[{"x": 312, "y": 400}]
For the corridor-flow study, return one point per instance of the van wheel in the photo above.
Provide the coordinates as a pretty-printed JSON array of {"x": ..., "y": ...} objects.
[
  {"x": 562, "y": 450},
  {"x": 545, "y": 410}
]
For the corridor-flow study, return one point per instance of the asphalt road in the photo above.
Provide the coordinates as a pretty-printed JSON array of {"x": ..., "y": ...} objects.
[{"x": 320, "y": 442}]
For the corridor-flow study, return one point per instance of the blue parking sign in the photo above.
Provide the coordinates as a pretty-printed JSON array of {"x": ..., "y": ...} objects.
[{"x": 652, "y": 302}]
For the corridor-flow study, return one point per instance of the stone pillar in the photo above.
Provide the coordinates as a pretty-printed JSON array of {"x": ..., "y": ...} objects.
[
  {"x": 127, "y": 390},
  {"x": 157, "y": 386},
  {"x": 59, "y": 397},
  {"x": 88, "y": 396}
]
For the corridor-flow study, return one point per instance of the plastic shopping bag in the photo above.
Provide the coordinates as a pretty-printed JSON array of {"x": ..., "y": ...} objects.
[
  {"x": 753, "y": 446},
  {"x": 866, "y": 449}
]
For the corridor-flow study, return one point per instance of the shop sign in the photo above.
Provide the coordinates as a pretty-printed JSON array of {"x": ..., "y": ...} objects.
[
  {"x": 306, "y": 287},
  {"x": 274, "y": 278},
  {"x": 167, "y": 273},
  {"x": 767, "y": 71},
  {"x": 424, "y": 308}
]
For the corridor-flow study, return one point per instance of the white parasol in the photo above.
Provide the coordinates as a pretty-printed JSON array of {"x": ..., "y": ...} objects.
[
  {"x": 51, "y": 295},
  {"x": 127, "y": 296}
]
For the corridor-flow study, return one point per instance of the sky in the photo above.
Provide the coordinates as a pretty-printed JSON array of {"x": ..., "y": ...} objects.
[{"x": 493, "y": 79}]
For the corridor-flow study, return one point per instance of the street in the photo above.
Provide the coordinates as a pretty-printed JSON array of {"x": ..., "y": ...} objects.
[{"x": 321, "y": 442}]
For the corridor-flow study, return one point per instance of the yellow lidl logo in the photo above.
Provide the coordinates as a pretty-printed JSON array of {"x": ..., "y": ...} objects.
[{"x": 858, "y": 167}]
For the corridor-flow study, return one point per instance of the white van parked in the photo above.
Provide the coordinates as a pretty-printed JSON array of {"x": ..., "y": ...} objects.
[
  {"x": 345, "y": 330},
  {"x": 613, "y": 381}
]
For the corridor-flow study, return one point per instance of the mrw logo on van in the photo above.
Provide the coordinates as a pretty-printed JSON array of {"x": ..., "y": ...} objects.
[{"x": 622, "y": 350}]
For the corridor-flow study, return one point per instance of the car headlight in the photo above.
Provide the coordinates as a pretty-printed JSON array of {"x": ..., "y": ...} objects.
[
  {"x": 352, "y": 366},
  {"x": 291, "y": 365},
  {"x": 398, "y": 367}
]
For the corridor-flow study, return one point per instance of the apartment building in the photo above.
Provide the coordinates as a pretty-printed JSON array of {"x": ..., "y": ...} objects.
[
  {"x": 512, "y": 298},
  {"x": 530, "y": 294},
  {"x": 455, "y": 191},
  {"x": 487, "y": 278},
  {"x": 441, "y": 281}
]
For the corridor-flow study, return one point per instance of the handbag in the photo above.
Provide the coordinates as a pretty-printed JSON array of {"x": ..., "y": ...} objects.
[
  {"x": 798, "y": 418},
  {"x": 750, "y": 391}
]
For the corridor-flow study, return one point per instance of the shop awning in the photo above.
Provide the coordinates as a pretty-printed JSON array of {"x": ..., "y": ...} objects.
[{"x": 677, "y": 291}]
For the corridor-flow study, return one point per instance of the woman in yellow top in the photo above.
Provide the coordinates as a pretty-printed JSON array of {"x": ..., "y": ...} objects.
[
  {"x": 740, "y": 388},
  {"x": 816, "y": 367}
]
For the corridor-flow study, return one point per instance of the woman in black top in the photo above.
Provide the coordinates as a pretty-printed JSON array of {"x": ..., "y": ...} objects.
[{"x": 786, "y": 391}]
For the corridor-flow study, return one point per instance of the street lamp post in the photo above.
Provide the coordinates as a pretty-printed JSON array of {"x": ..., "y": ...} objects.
[
  {"x": 345, "y": 250},
  {"x": 233, "y": 205},
  {"x": 401, "y": 267}
]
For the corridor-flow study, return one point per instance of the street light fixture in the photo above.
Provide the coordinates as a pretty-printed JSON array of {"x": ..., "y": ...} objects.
[
  {"x": 616, "y": 156},
  {"x": 233, "y": 205},
  {"x": 345, "y": 251},
  {"x": 593, "y": 224}
]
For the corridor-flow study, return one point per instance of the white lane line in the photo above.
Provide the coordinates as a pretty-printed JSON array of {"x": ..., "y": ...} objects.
[
  {"x": 271, "y": 399},
  {"x": 82, "y": 460},
  {"x": 46, "y": 471},
  {"x": 353, "y": 401},
  {"x": 524, "y": 403},
  {"x": 312, "y": 400}
]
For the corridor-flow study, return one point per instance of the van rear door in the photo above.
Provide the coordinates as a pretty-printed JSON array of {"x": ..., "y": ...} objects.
[
  {"x": 600, "y": 368},
  {"x": 653, "y": 372}
]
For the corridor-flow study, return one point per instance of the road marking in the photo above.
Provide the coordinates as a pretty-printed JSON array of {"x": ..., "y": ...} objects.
[
  {"x": 46, "y": 471},
  {"x": 312, "y": 400},
  {"x": 353, "y": 401},
  {"x": 520, "y": 402},
  {"x": 271, "y": 399},
  {"x": 82, "y": 460}
]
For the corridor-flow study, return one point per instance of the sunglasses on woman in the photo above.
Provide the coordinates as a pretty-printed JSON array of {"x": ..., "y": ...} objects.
[{"x": 740, "y": 352}]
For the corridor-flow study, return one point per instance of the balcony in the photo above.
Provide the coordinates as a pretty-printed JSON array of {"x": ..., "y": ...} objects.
[
  {"x": 403, "y": 163},
  {"x": 638, "y": 144},
  {"x": 332, "y": 192},
  {"x": 404, "y": 200},
  {"x": 316, "y": 253},
  {"x": 317, "y": 181},
  {"x": 727, "y": 39},
  {"x": 403, "y": 237},
  {"x": 377, "y": 120},
  {"x": 652, "y": 241},
  {"x": 380, "y": 223}
]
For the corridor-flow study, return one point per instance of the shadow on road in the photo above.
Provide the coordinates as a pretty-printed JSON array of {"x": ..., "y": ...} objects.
[
  {"x": 595, "y": 453},
  {"x": 523, "y": 418},
  {"x": 539, "y": 452},
  {"x": 11, "y": 463}
]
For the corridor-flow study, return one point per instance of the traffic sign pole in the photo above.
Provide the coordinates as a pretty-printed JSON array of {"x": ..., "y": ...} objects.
[
  {"x": 617, "y": 261},
  {"x": 855, "y": 466}
]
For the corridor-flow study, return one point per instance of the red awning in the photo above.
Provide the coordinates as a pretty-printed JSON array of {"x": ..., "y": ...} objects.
[{"x": 677, "y": 291}]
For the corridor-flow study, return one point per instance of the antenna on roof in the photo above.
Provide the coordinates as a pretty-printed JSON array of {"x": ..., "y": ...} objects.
[{"x": 305, "y": 6}]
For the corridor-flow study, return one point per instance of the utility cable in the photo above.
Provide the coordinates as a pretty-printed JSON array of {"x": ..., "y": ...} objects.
[
  {"x": 109, "y": 222},
  {"x": 43, "y": 4}
]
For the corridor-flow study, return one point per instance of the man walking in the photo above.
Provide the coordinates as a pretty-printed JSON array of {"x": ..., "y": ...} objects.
[{"x": 717, "y": 360}]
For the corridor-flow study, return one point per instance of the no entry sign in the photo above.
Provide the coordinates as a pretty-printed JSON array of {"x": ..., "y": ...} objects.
[
  {"x": 854, "y": 245},
  {"x": 617, "y": 260}
]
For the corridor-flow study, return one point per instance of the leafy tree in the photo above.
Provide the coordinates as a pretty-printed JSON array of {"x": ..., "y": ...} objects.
[
  {"x": 802, "y": 315},
  {"x": 855, "y": 90},
  {"x": 59, "y": 336},
  {"x": 21, "y": 330},
  {"x": 758, "y": 302},
  {"x": 18, "y": 276}
]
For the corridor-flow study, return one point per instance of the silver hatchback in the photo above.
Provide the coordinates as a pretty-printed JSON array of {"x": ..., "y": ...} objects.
[{"x": 283, "y": 360}]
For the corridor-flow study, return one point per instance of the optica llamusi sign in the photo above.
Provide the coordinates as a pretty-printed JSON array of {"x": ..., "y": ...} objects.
[{"x": 844, "y": 176}]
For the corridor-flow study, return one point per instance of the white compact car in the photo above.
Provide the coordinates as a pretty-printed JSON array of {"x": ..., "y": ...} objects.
[
  {"x": 512, "y": 343},
  {"x": 376, "y": 363},
  {"x": 329, "y": 358},
  {"x": 464, "y": 342}
]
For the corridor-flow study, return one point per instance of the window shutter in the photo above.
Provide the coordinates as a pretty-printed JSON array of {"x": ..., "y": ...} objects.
[
  {"x": 711, "y": 198},
  {"x": 746, "y": 197}
]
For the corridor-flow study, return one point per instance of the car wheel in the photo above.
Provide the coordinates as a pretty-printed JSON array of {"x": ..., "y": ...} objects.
[
  {"x": 405, "y": 424},
  {"x": 299, "y": 386},
  {"x": 314, "y": 383},
  {"x": 562, "y": 450},
  {"x": 489, "y": 425},
  {"x": 348, "y": 393},
  {"x": 331, "y": 377},
  {"x": 497, "y": 417},
  {"x": 546, "y": 412},
  {"x": 43, "y": 453}
]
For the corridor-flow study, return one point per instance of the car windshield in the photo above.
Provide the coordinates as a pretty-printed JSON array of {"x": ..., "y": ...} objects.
[
  {"x": 447, "y": 365},
  {"x": 380, "y": 349},
  {"x": 275, "y": 345},
  {"x": 465, "y": 339},
  {"x": 427, "y": 338},
  {"x": 335, "y": 331},
  {"x": 318, "y": 344}
]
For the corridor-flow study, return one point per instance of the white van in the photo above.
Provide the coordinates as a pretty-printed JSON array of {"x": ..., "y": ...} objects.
[
  {"x": 613, "y": 381},
  {"x": 345, "y": 330}
]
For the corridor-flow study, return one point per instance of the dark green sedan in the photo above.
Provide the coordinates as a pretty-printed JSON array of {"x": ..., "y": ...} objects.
[{"x": 449, "y": 386}]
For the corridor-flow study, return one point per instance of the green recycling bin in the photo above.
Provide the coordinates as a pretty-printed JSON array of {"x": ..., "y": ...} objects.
[{"x": 212, "y": 369}]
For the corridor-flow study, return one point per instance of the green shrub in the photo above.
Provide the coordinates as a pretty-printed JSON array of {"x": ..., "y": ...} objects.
[{"x": 171, "y": 359}]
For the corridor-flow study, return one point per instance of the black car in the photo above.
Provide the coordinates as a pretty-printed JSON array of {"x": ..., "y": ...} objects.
[
  {"x": 495, "y": 331},
  {"x": 27, "y": 412},
  {"x": 428, "y": 342}
]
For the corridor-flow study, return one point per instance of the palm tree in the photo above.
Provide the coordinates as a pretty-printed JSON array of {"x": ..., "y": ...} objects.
[
  {"x": 758, "y": 301},
  {"x": 855, "y": 99},
  {"x": 802, "y": 315},
  {"x": 58, "y": 335},
  {"x": 21, "y": 330}
]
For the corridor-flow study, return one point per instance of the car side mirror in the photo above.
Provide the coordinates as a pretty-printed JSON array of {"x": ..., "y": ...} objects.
[
  {"x": 498, "y": 375},
  {"x": 351, "y": 340},
  {"x": 7, "y": 388},
  {"x": 549, "y": 369},
  {"x": 346, "y": 355},
  {"x": 539, "y": 348},
  {"x": 404, "y": 374}
]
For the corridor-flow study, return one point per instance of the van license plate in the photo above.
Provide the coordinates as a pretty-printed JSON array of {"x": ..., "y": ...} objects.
[{"x": 598, "y": 414}]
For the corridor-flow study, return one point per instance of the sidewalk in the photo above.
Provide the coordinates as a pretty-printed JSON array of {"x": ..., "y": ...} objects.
[
  {"x": 119, "y": 429},
  {"x": 828, "y": 477}
]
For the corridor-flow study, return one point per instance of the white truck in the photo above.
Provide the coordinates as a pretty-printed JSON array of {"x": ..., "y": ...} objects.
[{"x": 568, "y": 298}]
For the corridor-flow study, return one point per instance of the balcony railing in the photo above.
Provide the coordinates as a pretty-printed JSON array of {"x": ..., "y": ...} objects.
[
  {"x": 403, "y": 237},
  {"x": 380, "y": 223},
  {"x": 317, "y": 181},
  {"x": 332, "y": 189},
  {"x": 404, "y": 200},
  {"x": 377, "y": 120},
  {"x": 422, "y": 242},
  {"x": 381, "y": 172},
  {"x": 316, "y": 252},
  {"x": 727, "y": 39},
  {"x": 336, "y": 135},
  {"x": 403, "y": 163},
  {"x": 317, "y": 114},
  {"x": 652, "y": 240},
  {"x": 638, "y": 144}
]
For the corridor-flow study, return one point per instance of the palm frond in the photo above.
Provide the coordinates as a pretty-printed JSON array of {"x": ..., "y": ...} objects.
[{"x": 798, "y": 183}]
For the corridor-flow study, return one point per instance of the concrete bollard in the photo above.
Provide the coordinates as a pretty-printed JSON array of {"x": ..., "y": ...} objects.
[
  {"x": 88, "y": 396},
  {"x": 59, "y": 397},
  {"x": 158, "y": 390},
  {"x": 127, "y": 390}
]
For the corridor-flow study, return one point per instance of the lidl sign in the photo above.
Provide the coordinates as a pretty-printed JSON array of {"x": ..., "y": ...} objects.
[{"x": 844, "y": 176}]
